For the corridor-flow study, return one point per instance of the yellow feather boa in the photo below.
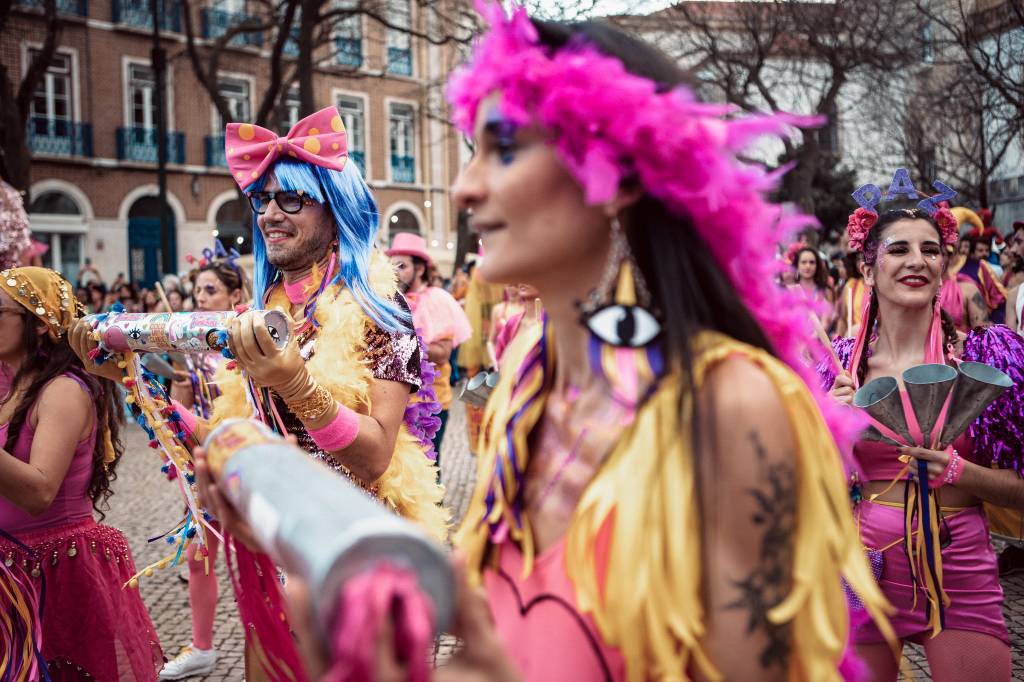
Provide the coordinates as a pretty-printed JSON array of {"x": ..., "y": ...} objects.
[
  {"x": 340, "y": 365},
  {"x": 650, "y": 606}
]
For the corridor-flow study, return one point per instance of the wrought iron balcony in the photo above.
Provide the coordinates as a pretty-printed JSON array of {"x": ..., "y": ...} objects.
[
  {"x": 349, "y": 51},
  {"x": 403, "y": 169},
  {"x": 139, "y": 144},
  {"x": 400, "y": 61},
  {"x": 58, "y": 137},
  {"x": 215, "y": 151},
  {"x": 217, "y": 22},
  {"x": 136, "y": 13},
  {"x": 77, "y": 7}
]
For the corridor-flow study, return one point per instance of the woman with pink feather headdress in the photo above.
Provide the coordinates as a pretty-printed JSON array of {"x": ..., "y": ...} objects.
[{"x": 658, "y": 494}]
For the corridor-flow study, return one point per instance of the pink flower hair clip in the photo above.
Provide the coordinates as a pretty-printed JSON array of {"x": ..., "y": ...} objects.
[
  {"x": 858, "y": 226},
  {"x": 948, "y": 227}
]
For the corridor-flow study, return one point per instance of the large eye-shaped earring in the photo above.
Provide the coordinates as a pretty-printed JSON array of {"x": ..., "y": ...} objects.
[{"x": 625, "y": 320}]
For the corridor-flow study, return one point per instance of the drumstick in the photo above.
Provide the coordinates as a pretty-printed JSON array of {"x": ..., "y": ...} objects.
[
  {"x": 163, "y": 297},
  {"x": 819, "y": 333}
]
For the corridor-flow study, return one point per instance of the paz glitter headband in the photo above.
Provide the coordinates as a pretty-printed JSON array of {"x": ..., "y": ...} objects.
[{"x": 611, "y": 125}]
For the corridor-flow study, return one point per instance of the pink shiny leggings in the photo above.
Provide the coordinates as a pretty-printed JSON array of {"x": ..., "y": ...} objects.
[
  {"x": 953, "y": 656},
  {"x": 202, "y": 593}
]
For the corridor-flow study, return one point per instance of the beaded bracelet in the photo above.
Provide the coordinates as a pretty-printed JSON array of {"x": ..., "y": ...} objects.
[{"x": 954, "y": 467}]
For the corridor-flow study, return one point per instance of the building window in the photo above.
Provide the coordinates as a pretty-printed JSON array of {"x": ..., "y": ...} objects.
[
  {"x": 235, "y": 92},
  {"x": 290, "y": 110},
  {"x": 927, "y": 44},
  {"x": 142, "y": 96},
  {"x": 348, "y": 36},
  {"x": 51, "y": 214},
  {"x": 399, "y": 42},
  {"x": 402, "y": 138},
  {"x": 51, "y": 126},
  {"x": 353, "y": 113}
]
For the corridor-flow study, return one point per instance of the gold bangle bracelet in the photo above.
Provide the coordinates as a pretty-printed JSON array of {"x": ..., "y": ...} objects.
[{"x": 315, "y": 406}]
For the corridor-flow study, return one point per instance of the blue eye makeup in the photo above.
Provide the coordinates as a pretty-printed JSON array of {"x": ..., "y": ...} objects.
[{"x": 504, "y": 132}]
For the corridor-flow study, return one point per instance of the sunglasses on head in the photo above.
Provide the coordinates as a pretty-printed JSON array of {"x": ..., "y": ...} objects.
[{"x": 289, "y": 201}]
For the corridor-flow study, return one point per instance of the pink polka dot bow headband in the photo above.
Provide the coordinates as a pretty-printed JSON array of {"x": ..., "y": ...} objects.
[{"x": 318, "y": 139}]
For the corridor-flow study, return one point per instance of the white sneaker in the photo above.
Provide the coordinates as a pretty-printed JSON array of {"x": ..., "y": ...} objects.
[{"x": 190, "y": 662}]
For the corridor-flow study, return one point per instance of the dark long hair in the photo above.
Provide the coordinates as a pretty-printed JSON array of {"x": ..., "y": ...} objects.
[
  {"x": 871, "y": 245},
  {"x": 688, "y": 288},
  {"x": 45, "y": 360},
  {"x": 820, "y": 271}
]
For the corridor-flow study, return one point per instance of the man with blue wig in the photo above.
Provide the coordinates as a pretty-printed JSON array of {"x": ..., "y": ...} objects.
[{"x": 342, "y": 384}]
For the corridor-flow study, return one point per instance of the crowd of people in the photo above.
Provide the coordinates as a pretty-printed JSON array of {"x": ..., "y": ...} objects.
[{"x": 661, "y": 465}]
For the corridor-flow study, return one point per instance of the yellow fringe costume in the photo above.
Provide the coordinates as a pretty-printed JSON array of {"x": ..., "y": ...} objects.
[
  {"x": 341, "y": 365},
  {"x": 650, "y": 607}
]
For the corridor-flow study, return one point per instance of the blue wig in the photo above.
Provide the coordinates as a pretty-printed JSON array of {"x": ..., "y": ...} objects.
[{"x": 356, "y": 218}]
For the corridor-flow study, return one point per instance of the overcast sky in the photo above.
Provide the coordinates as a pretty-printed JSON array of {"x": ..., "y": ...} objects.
[{"x": 600, "y": 7}]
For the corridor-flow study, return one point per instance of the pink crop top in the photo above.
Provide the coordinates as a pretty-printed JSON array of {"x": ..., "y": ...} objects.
[
  {"x": 537, "y": 619},
  {"x": 72, "y": 502},
  {"x": 880, "y": 461}
]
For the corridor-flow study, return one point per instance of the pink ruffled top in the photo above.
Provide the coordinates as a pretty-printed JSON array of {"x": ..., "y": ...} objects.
[
  {"x": 537, "y": 619},
  {"x": 72, "y": 503},
  {"x": 438, "y": 316}
]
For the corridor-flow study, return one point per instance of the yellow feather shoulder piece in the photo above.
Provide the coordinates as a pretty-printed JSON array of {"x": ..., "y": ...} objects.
[
  {"x": 341, "y": 365},
  {"x": 649, "y": 606}
]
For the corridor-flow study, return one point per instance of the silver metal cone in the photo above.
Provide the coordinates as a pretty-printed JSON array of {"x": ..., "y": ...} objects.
[
  {"x": 928, "y": 386},
  {"x": 880, "y": 398},
  {"x": 978, "y": 386},
  {"x": 873, "y": 434},
  {"x": 478, "y": 389}
]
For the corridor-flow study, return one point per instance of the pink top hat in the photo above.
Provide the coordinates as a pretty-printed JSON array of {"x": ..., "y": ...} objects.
[{"x": 409, "y": 244}]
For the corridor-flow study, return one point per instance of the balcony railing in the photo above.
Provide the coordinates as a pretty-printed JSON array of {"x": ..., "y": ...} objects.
[
  {"x": 136, "y": 13},
  {"x": 217, "y": 22},
  {"x": 59, "y": 137},
  {"x": 400, "y": 61},
  {"x": 403, "y": 169},
  {"x": 77, "y": 7},
  {"x": 215, "y": 151},
  {"x": 349, "y": 51},
  {"x": 359, "y": 158},
  {"x": 139, "y": 144}
]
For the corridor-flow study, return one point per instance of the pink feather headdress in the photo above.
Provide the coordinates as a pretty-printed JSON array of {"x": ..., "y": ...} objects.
[{"x": 611, "y": 125}]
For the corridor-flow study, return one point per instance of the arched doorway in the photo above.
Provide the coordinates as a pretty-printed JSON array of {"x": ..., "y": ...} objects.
[
  {"x": 57, "y": 221},
  {"x": 402, "y": 220},
  {"x": 234, "y": 226},
  {"x": 146, "y": 259}
]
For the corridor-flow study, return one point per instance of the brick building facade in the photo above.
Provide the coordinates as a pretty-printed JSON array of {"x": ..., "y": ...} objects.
[{"x": 93, "y": 142}]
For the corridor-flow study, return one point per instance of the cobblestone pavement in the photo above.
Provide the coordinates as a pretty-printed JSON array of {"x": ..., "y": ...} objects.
[{"x": 145, "y": 504}]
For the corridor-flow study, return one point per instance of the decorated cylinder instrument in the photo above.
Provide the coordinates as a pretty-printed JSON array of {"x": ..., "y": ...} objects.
[
  {"x": 196, "y": 332},
  {"x": 320, "y": 526}
]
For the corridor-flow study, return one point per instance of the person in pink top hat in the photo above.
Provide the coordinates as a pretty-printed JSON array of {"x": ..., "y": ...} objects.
[{"x": 438, "y": 318}]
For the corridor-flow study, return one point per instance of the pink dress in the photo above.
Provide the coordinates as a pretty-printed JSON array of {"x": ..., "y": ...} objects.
[
  {"x": 537, "y": 620},
  {"x": 91, "y": 627}
]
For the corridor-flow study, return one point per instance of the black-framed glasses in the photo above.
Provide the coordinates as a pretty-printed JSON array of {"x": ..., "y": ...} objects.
[{"x": 289, "y": 201}]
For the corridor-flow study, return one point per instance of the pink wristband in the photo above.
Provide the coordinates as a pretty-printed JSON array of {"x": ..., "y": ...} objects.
[
  {"x": 954, "y": 467},
  {"x": 340, "y": 433}
]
